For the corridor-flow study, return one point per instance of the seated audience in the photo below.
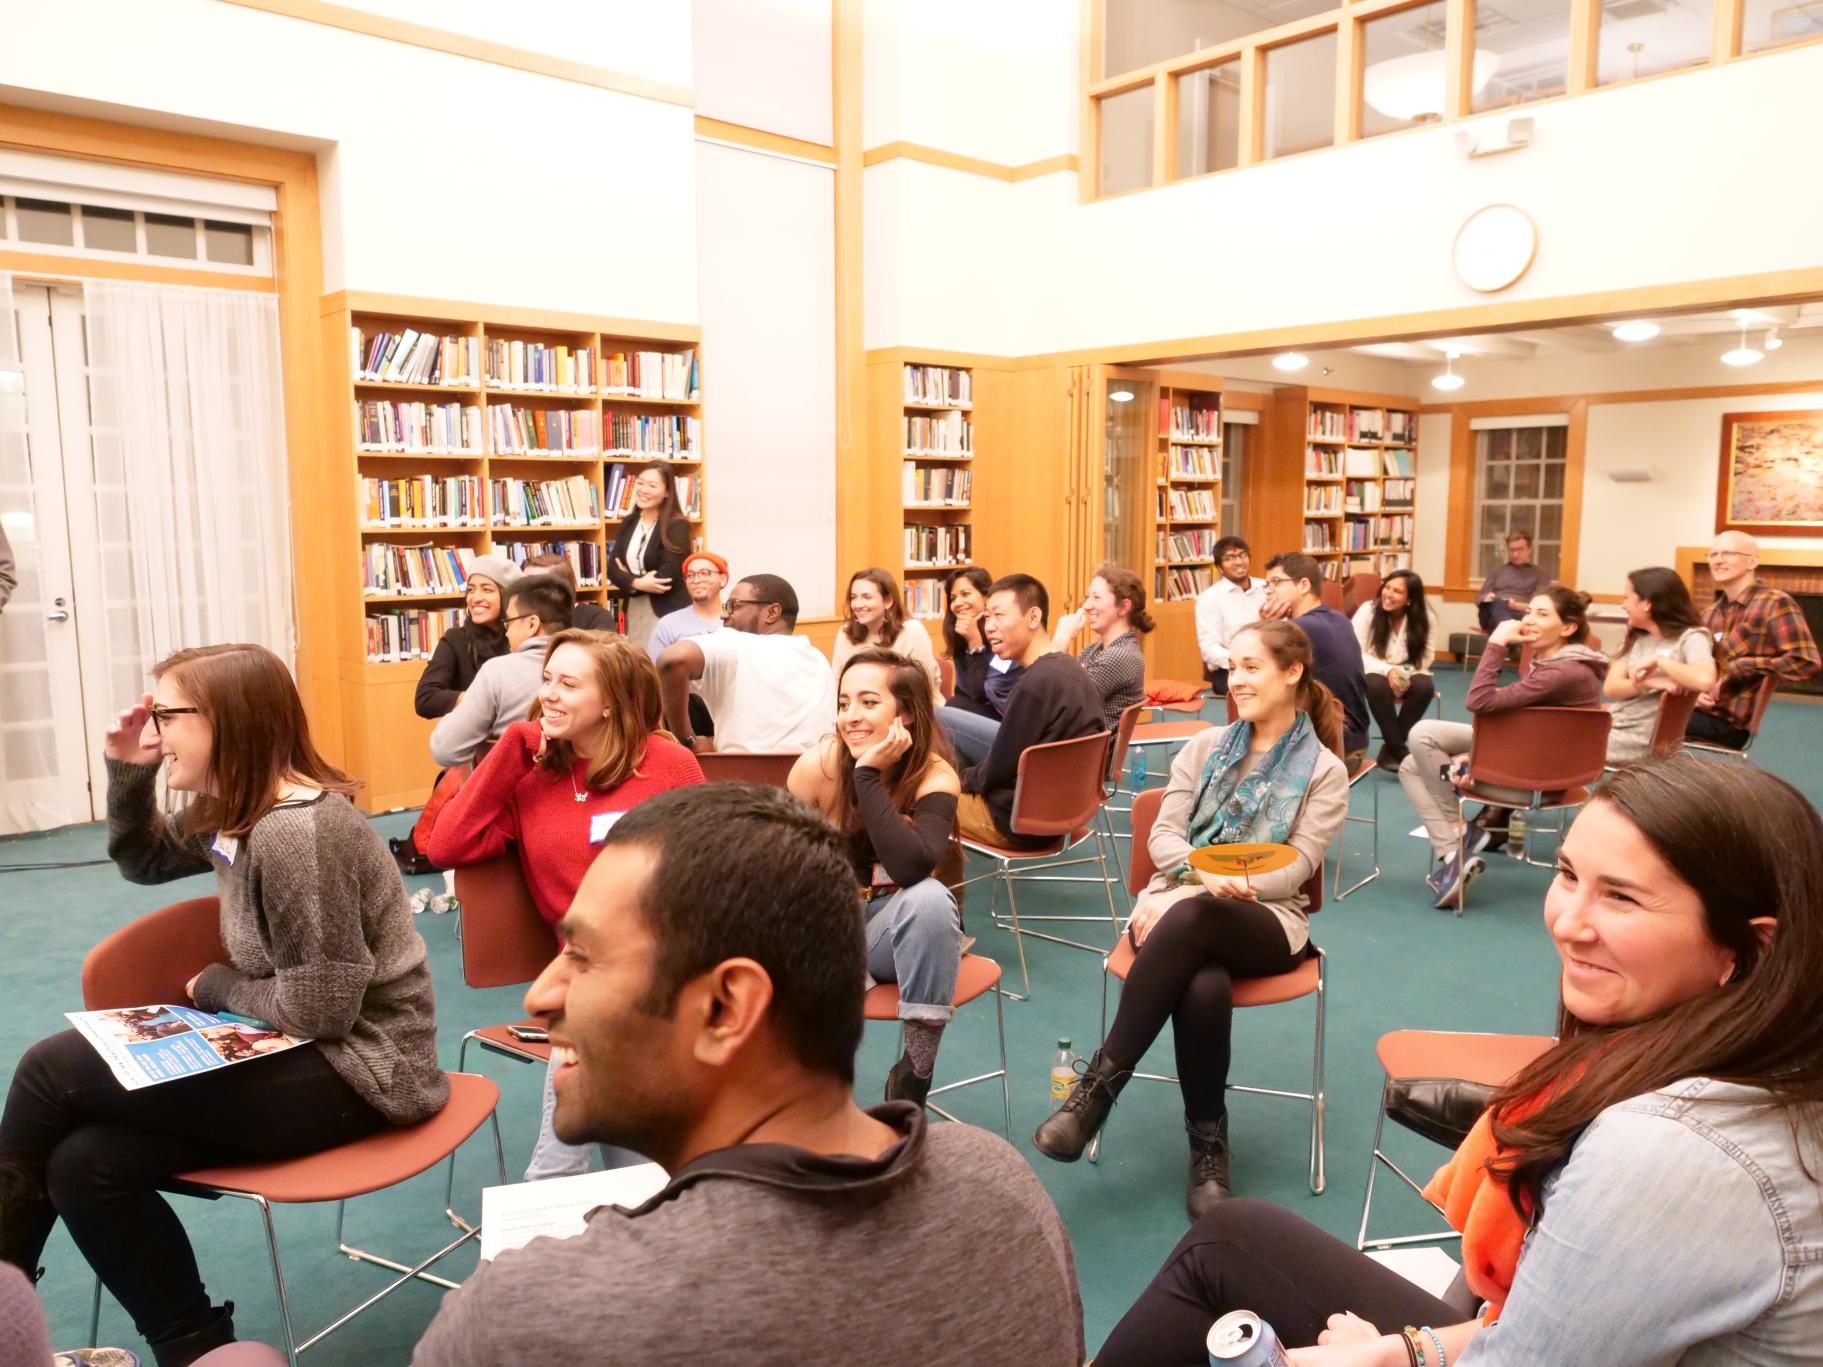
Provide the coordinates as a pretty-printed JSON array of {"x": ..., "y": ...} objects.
[
  {"x": 461, "y": 651},
  {"x": 586, "y": 616},
  {"x": 1233, "y": 601},
  {"x": 1294, "y": 589},
  {"x": 767, "y": 689},
  {"x": 705, "y": 577},
  {"x": 1114, "y": 609},
  {"x": 705, "y": 1012},
  {"x": 1644, "y": 1193},
  {"x": 554, "y": 786},
  {"x": 877, "y": 617},
  {"x": 1759, "y": 631},
  {"x": 320, "y": 944},
  {"x": 984, "y": 681},
  {"x": 1398, "y": 636},
  {"x": 885, "y": 783},
  {"x": 1511, "y": 587},
  {"x": 1667, "y": 649},
  {"x": 1566, "y": 672},
  {"x": 645, "y": 563},
  {"x": 1055, "y": 700},
  {"x": 1273, "y": 776},
  {"x": 538, "y": 606}
]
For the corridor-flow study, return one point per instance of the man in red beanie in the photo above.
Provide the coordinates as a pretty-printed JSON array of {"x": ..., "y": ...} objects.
[{"x": 706, "y": 579}]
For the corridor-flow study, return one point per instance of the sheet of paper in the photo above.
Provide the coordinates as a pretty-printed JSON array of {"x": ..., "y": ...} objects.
[
  {"x": 513, "y": 1216},
  {"x": 1429, "y": 1268}
]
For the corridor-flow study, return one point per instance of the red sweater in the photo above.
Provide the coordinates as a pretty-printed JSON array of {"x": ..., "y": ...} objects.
[{"x": 509, "y": 800}]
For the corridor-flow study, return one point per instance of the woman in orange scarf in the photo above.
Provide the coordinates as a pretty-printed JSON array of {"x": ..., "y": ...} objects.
[{"x": 1647, "y": 1191}]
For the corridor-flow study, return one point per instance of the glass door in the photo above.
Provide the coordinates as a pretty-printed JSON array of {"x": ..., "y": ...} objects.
[{"x": 1130, "y": 471}]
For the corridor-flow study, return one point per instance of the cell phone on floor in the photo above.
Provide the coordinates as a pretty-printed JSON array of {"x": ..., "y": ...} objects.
[{"x": 529, "y": 1034}]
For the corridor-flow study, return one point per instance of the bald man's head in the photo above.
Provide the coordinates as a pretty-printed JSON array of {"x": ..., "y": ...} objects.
[{"x": 1732, "y": 557}]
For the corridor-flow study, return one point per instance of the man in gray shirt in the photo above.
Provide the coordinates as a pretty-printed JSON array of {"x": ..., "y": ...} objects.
[
  {"x": 1506, "y": 592},
  {"x": 705, "y": 1012},
  {"x": 537, "y": 606}
]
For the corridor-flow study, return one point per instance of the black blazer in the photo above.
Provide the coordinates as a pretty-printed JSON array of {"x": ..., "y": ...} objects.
[{"x": 661, "y": 560}]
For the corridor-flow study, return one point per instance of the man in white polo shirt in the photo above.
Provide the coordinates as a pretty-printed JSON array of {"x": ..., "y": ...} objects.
[
  {"x": 1230, "y": 603},
  {"x": 766, "y": 688}
]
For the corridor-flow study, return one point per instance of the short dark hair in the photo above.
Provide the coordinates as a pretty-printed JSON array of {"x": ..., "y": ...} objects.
[
  {"x": 1519, "y": 534},
  {"x": 774, "y": 885},
  {"x": 555, "y": 563},
  {"x": 1231, "y": 543},
  {"x": 1298, "y": 566},
  {"x": 1030, "y": 592},
  {"x": 772, "y": 589},
  {"x": 547, "y": 596}
]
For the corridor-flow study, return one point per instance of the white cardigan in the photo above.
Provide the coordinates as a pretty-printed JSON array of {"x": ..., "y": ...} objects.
[{"x": 1396, "y": 653}]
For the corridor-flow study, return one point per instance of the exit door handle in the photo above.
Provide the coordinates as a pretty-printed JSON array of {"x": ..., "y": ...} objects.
[{"x": 59, "y": 616}]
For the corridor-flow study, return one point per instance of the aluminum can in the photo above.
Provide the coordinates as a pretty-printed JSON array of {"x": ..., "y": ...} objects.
[{"x": 1242, "y": 1339}]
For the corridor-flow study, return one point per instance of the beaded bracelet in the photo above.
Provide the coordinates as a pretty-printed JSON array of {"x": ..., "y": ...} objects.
[
  {"x": 1441, "y": 1360},
  {"x": 1414, "y": 1351}
]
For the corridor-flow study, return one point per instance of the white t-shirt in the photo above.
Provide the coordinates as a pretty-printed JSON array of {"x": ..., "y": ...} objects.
[
  {"x": 1636, "y": 718},
  {"x": 766, "y": 692}
]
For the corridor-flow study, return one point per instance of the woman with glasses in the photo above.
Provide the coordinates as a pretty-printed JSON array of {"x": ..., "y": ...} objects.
[
  {"x": 877, "y": 619},
  {"x": 319, "y": 943},
  {"x": 646, "y": 562}
]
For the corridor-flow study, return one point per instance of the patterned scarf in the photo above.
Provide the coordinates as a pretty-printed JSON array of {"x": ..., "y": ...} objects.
[{"x": 1260, "y": 807}]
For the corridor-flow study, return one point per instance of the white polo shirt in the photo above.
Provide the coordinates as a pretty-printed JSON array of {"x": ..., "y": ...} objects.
[
  {"x": 766, "y": 692},
  {"x": 1223, "y": 609}
]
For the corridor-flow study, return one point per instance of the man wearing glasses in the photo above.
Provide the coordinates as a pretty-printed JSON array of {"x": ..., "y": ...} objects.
[
  {"x": 537, "y": 606},
  {"x": 705, "y": 578},
  {"x": 1227, "y": 605},
  {"x": 1759, "y": 631},
  {"x": 767, "y": 689}
]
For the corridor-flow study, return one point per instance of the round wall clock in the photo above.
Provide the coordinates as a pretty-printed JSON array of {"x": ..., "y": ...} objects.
[{"x": 1494, "y": 247}]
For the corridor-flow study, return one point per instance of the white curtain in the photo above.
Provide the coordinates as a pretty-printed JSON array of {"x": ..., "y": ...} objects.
[{"x": 188, "y": 426}]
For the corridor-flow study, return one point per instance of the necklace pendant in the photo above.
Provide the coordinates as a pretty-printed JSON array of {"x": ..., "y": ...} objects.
[{"x": 582, "y": 797}]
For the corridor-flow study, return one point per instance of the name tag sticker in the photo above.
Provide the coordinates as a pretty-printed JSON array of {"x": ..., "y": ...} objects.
[
  {"x": 227, "y": 846},
  {"x": 600, "y": 824},
  {"x": 881, "y": 878}
]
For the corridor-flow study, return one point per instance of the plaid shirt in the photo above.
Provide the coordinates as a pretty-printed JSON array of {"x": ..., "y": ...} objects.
[{"x": 1764, "y": 633}]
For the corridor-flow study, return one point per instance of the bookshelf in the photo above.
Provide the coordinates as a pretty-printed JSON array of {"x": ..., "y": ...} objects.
[
  {"x": 937, "y": 453},
  {"x": 1188, "y": 487},
  {"x": 481, "y": 430}
]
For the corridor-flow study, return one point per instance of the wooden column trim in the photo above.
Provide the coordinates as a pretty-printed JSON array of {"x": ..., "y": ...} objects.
[
  {"x": 1576, "y": 445},
  {"x": 1459, "y": 537},
  {"x": 853, "y": 485},
  {"x": 1726, "y": 40},
  {"x": 1348, "y": 81},
  {"x": 1088, "y": 131},
  {"x": 1252, "y": 109},
  {"x": 1458, "y": 57},
  {"x": 1164, "y": 128},
  {"x": 1585, "y": 45}
]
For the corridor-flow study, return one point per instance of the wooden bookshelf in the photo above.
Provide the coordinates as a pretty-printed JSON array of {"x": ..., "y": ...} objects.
[
  {"x": 936, "y": 444},
  {"x": 1188, "y": 480},
  {"x": 533, "y": 439}
]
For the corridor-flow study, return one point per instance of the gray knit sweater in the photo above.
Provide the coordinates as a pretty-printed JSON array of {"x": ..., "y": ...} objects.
[{"x": 318, "y": 932}]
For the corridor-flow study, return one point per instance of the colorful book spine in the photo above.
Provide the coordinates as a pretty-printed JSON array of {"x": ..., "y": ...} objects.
[
  {"x": 408, "y": 633},
  {"x": 412, "y": 357},
  {"x": 388, "y": 570},
  {"x": 654, "y": 436},
  {"x": 567, "y": 432},
  {"x": 939, "y": 386},
  {"x": 671, "y": 375},
  {"x": 543, "y": 502},
  {"x": 539, "y": 367},
  {"x": 939, "y": 434},
  {"x": 422, "y": 501},
  {"x": 937, "y": 547},
  {"x": 429, "y": 429},
  {"x": 585, "y": 557},
  {"x": 942, "y": 485}
]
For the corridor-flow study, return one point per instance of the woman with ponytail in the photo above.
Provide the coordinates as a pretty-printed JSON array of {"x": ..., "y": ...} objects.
[
  {"x": 1114, "y": 609},
  {"x": 1274, "y": 776}
]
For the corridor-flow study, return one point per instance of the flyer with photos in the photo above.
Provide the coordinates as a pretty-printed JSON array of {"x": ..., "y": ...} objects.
[{"x": 146, "y": 1045}]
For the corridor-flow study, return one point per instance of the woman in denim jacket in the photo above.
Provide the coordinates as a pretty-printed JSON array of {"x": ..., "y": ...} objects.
[{"x": 1647, "y": 1191}]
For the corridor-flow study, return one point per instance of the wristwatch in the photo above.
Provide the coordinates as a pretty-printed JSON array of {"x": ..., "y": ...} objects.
[{"x": 688, "y": 742}]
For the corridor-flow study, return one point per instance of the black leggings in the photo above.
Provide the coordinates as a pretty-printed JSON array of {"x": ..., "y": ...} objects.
[
  {"x": 1253, "y": 1255},
  {"x": 1395, "y": 715},
  {"x": 101, "y": 1152},
  {"x": 1185, "y": 973}
]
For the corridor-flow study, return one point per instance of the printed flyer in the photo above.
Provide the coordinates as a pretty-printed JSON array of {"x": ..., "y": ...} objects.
[{"x": 146, "y": 1045}]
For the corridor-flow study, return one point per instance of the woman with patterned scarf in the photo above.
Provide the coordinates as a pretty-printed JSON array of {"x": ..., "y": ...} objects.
[{"x": 1274, "y": 776}]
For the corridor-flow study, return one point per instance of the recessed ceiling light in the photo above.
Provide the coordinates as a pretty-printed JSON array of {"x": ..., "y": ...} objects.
[
  {"x": 1290, "y": 360},
  {"x": 1639, "y": 330},
  {"x": 1743, "y": 354},
  {"x": 1121, "y": 396},
  {"x": 1449, "y": 379}
]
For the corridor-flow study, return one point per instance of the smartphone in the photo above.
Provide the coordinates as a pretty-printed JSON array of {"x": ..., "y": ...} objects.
[{"x": 529, "y": 1034}]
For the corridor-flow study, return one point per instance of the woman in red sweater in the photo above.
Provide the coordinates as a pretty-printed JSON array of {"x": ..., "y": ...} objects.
[{"x": 593, "y": 748}]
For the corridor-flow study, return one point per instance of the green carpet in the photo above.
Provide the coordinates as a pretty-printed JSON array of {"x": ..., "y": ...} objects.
[{"x": 1394, "y": 963}]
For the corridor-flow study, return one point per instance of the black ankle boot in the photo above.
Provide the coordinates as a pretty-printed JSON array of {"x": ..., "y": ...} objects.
[
  {"x": 26, "y": 1217},
  {"x": 1070, "y": 1128},
  {"x": 904, "y": 1084},
  {"x": 187, "y": 1348},
  {"x": 1208, "y": 1186}
]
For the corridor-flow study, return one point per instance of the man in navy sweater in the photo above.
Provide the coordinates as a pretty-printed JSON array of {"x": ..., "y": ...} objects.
[{"x": 1294, "y": 584}]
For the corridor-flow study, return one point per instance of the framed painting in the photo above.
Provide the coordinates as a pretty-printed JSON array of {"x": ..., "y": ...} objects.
[{"x": 1771, "y": 478}]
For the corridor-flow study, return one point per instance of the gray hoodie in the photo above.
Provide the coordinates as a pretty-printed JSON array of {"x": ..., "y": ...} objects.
[{"x": 1571, "y": 678}]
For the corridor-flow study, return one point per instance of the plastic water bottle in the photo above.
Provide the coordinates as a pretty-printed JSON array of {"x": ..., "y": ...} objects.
[
  {"x": 1063, "y": 1071},
  {"x": 1136, "y": 763},
  {"x": 1516, "y": 836}
]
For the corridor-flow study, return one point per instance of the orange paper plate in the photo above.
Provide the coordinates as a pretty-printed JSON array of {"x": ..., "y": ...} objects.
[{"x": 1242, "y": 861}]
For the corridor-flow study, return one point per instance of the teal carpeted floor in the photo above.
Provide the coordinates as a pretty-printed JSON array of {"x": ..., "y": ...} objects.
[{"x": 1394, "y": 963}]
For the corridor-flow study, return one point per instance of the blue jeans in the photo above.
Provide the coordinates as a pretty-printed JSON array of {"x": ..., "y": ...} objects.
[
  {"x": 551, "y": 1157},
  {"x": 914, "y": 938},
  {"x": 971, "y": 733}
]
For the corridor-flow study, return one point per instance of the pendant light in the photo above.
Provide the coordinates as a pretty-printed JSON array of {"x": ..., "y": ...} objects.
[
  {"x": 1449, "y": 379},
  {"x": 1743, "y": 354}
]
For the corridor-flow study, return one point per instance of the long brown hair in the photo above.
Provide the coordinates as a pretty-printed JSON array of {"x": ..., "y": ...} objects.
[
  {"x": 1572, "y": 608},
  {"x": 894, "y": 617},
  {"x": 262, "y": 737},
  {"x": 1124, "y": 583},
  {"x": 635, "y": 712},
  {"x": 1667, "y": 601},
  {"x": 673, "y": 526},
  {"x": 1748, "y": 845},
  {"x": 910, "y": 687},
  {"x": 1287, "y": 644}
]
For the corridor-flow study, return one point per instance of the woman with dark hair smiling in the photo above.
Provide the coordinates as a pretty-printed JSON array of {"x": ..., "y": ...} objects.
[
  {"x": 1644, "y": 1193},
  {"x": 1667, "y": 648},
  {"x": 646, "y": 561},
  {"x": 1398, "y": 636},
  {"x": 877, "y": 619},
  {"x": 964, "y": 596}
]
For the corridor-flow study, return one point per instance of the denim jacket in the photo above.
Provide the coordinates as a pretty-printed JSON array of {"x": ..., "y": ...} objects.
[{"x": 1681, "y": 1229}]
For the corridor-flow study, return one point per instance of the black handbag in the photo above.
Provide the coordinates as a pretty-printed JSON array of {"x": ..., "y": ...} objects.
[{"x": 1442, "y": 1109}]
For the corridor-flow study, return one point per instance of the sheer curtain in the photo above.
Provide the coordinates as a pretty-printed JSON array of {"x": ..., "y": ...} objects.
[{"x": 188, "y": 429}]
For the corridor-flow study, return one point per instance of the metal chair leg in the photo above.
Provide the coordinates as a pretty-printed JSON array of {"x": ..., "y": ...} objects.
[
  {"x": 1006, "y": 1088},
  {"x": 1373, "y": 1171},
  {"x": 1318, "y": 1105},
  {"x": 95, "y": 1316},
  {"x": 1012, "y": 901},
  {"x": 278, "y": 1274},
  {"x": 1094, "y": 1149}
]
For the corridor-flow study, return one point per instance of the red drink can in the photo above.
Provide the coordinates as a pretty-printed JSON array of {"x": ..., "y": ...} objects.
[{"x": 1242, "y": 1339}]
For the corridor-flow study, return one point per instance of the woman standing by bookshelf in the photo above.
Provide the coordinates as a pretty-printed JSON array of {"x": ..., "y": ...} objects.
[
  {"x": 877, "y": 617},
  {"x": 1398, "y": 636},
  {"x": 463, "y": 650},
  {"x": 647, "y": 561},
  {"x": 319, "y": 941},
  {"x": 593, "y": 748}
]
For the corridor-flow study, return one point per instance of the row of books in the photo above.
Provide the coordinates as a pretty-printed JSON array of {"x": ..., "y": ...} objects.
[
  {"x": 619, "y": 497},
  {"x": 1189, "y": 422},
  {"x": 1329, "y": 422},
  {"x": 411, "y": 357},
  {"x": 1382, "y": 564},
  {"x": 1398, "y": 461},
  {"x": 431, "y": 429},
  {"x": 408, "y": 633},
  {"x": 1188, "y": 505},
  {"x": 1319, "y": 536},
  {"x": 585, "y": 557},
  {"x": 1382, "y": 424},
  {"x": 676, "y": 375},
  {"x": 937, "y": 483},
  {"x": 1322, "y": 500},
  {"x": 1363, "y": 496},
  {"x": 1399, "y": 493},
  {"x": 423, "y": 501},
  {"x": 515, "y": 431},
  {"x": 939, "y": 384},
  {"x": 1193, "y": 462},
  {"x": 1322, "y": 462},
  {"x": 1198, "y": 545},
  {"x": 940, "y": 434},
  {"x": 513, "y": 364},
  {"x": 387, "y": 570},
  {"x": 1371, "y": 533},
  {"x": 1175, "y": 583},
  {"x": 924, "y": 597},
  {"x": 666, "y": 436},
  {"x": 938, "y": 546},
  {"x": 543, "y": 502}
]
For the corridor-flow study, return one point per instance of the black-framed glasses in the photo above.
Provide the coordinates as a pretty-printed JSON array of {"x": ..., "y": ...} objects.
[
  {"x": 730, "y": 604},
  {"x": 160, "y": 714},
  {"x": 1279, "y": 581},
  {"x": 505, "y": 621}
]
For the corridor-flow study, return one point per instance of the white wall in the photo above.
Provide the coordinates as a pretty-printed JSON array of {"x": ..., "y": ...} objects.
[
  {"x": 765, "y": 64},
  {"x": 636, "y": 37}
]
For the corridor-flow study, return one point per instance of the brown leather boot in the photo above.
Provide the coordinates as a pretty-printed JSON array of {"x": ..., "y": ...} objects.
[
  {"x": 1071, "y": 1126},
  {"x": 1208, "y": 1185}
]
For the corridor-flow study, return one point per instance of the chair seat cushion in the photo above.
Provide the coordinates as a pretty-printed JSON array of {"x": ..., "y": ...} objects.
[
  {"x": 380, "y": 1160},
  {"x": 1491, "y": 1059},
  {"x": 1044, "y": 851},
  {"x": 976, "y": 976},
  {"x": 501, "y": 1040},
  {"x": 1167, "y": 732},
  {"x": 1571, "y": 797},
  {"x": 1280, "y": 987}
]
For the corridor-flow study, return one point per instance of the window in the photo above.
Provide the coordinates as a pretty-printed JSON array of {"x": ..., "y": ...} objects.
[
  {"x": 1129, "y": 457},
  {"x": 1209, "y": 120},
  {"x": 72, "y": 228},
  {"x": 1519, "y": 479},
  {"x": 1126, "y": 141},
  {"x": 1300, "y": 96},
  {"x": 1402, "y": 70},
  {"x": 1774, "y": 23},
  {"x": 1234, "y": 450},
  {"x": 1137, "y": 33},
  {"x": 1528, "y": 42},
  {"x": 1645, "y": 37}
]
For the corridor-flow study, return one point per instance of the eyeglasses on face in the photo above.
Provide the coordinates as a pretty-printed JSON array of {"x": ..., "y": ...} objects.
[
  {"x": 517, "y": 617},
  {"x": 1235, "y": 555},
  {"x": 731, "y": 605},
  {"x": 1274, "y": 581},
  {"x": 702, "y": 574},
  {"x": 160, "y": 714}
]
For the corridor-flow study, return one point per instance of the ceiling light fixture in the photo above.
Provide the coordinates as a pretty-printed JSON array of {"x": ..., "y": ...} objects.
[
  {"x": 1411, "y": 88},
  {"x": 1639, "y": 330},
  {"x": 1449, "y": 379},
  {"x": 1290, "y": 360},
  {"x": 1773, "y": 341},
  {"x": 1743, "y": 354},
  {"x": 1121, "y": 396}
]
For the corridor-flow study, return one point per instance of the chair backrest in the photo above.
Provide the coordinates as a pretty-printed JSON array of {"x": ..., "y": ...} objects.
[
  {"x": 946, "y": 676},
  {"x": 1762, "y": 698},
  {"x": 1360, "y": 588},
  {"x": 757, "y": 766},
  {"x": 1674, "y": 711},
  {"x": 1060, "y": 784},
  {"x": 1540, "y": 749},
  {"x": 1123, "y": 736},
  {"x": 504, "y": 939},
  {"x": 1331, "y": 593},
  {"x": 1140, "y": 867},
  {"x": 147, "y": 962}
]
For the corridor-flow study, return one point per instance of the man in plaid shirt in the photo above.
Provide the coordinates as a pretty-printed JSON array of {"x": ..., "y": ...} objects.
[{"x": 1758, "y": 631}]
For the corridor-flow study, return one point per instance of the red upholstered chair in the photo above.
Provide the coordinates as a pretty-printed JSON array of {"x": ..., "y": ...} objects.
[
  {"x": 1308, "y": 979},
  {"x": 149, "y": 961},
  {"x": 1674, "y": 711},
  {"x": 771, "y": 767},
  {"x": 946, "y": 677},
  {"x": 1762, "y": 698},
  {"x": 1360, "y": 588},
  {"x": 1331, "y": 593},
  {"x": 978, "y": 976}
]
